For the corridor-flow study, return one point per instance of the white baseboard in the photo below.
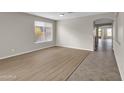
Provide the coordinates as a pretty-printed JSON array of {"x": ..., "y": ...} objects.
[
  {"x": 118, "y": 56},
  {"x": 40, "y": 49},
  {"x": 119, "y": 63},
  {"x": 24, "y": 52},
  {"x": 74, "y": 47}
]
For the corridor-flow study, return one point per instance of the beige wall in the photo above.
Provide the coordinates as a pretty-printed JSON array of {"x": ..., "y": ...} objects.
[
  {"x": 17, "y": 32},
  {"x": 78, "y": 32},
  {"x": 118, "y": 42}
]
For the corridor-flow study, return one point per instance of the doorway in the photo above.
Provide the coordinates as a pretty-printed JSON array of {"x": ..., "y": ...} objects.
[{"x": 103, "y": 37}]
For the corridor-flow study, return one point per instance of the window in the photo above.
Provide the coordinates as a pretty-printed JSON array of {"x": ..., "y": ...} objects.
[
  {"x": 43, "y": 31},
  {"x": 109, "y": 32},
  {"x": 99, "y": 32}
]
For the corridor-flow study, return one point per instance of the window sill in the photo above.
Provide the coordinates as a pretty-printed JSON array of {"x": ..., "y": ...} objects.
[{"x": 39, "y": 42}]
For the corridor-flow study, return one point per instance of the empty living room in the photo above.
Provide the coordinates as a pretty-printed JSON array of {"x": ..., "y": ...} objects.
[{"x": 61, "y": 46}]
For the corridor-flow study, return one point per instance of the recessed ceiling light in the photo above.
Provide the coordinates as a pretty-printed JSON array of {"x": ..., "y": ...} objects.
[{"x": 61, "y": 15}]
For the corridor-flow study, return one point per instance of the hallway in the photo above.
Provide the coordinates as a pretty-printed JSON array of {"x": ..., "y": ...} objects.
[{"x": 99, "y": 65}]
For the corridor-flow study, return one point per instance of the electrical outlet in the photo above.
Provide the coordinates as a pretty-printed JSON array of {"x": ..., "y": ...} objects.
[{"x": 12, "y": 50}]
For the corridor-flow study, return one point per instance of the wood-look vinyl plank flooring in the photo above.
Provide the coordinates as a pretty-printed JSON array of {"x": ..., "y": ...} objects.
[{"x": 55, "y": 63}]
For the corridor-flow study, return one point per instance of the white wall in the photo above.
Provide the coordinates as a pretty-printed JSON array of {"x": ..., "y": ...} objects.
[
  {"x": 17, "y": 32},
  {"x": 78, "y": 32},
  {"x": 118, "y": 43}
]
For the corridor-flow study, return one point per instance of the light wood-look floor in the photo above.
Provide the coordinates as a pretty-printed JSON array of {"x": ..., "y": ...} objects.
[{"x": 56, "y": 63}]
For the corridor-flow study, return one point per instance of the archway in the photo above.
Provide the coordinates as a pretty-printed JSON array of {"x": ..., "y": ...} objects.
[{"x": 103, "y": 36}]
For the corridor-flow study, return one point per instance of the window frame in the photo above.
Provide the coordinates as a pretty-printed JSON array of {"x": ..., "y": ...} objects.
[{"x": 43, "y": 26}]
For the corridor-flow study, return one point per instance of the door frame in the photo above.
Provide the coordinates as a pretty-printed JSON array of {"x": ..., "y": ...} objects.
[{"x": 95, "y": 34}]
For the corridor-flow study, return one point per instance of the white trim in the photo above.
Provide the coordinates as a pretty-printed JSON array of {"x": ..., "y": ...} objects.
[
  {"x": 119, "y": 65},
  {"x": 74, "y": 47},
  {"x": 117, "y": 53},
  {"x": 40, "y": 49},
  {"x": 25, "y": 52},
  {"x": 38, "y": 42}
]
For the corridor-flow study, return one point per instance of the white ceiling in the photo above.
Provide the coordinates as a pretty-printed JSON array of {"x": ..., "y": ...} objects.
[{"x": 67, "y": 15}]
